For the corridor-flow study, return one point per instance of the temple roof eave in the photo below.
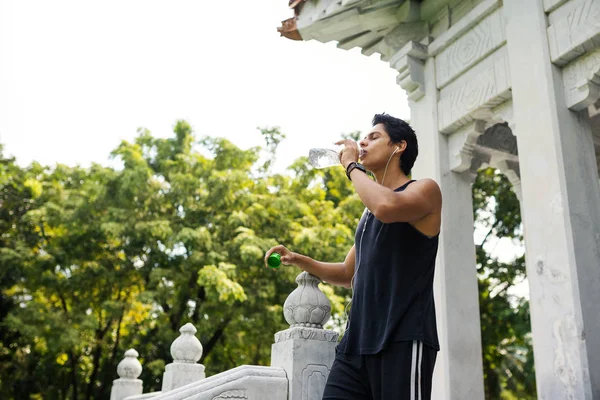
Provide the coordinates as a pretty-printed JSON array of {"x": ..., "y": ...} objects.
[{"x": 376, "y": 27}]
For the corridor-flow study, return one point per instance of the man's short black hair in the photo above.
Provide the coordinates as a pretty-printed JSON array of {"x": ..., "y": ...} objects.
[{"x": 400, "y": 130}]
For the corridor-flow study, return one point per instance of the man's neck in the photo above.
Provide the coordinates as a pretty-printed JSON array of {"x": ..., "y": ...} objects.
[{"x": 394, "y": 178}]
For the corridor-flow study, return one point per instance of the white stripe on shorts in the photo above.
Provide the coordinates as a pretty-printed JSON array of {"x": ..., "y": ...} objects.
[
  {"x": 417, "y": 358},
  {"x": 419, "y": 364},
  {"x": 413, "y": 371}
]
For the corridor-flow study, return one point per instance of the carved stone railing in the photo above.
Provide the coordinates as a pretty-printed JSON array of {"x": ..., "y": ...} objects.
[{"x": 301, "y": 358}]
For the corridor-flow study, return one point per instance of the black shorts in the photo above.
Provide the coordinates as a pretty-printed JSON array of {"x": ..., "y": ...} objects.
[{"x": 403, "y": 371}]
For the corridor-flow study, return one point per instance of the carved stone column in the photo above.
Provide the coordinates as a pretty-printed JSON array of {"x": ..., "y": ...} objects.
[
  {"x": 305, "y": 351},
  {"x": 561, "y": 195}
]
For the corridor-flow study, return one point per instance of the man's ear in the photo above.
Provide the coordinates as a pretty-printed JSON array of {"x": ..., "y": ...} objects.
[{"x": 401, "y": 146}]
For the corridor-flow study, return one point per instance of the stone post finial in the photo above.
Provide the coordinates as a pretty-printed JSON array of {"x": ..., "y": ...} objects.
[
  {"x": 186, "y": 351},
  {"x": 129, "y": 367},
  {"x": 305, "y": 351},
  {"x": 307, "y": 306},
  {"x": 127, "y": 385},
  {"x": 186, "y": 348}
]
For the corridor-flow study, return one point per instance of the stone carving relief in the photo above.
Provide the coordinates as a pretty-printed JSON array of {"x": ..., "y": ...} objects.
[
  {"x": 471, "y": 48},
  {"x": 483, "y": 88},
  {"x": 472, "y": 147},
  {"x": 463, "y": 16},
  {"x": 307, "y": 306},
  {"x": 461, "y": 145},
  {"x": 581, "y": 79},
  {"x": 409, "y": 62},
  {"x": 306, "y": 333},
  {"x": 232, "y": 395},
  {"x": 575, "y": 33},
  {"x": 495, "y": 147},
  {"x": 501, "y": 114},
  {"x": 313, "y": 381},
  {"x": 499, "y": 137}
]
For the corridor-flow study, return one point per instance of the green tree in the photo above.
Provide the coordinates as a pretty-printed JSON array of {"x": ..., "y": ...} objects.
[
  {"x": 103, "y": 259},
  {"x": 69, "y": 289},
  {"x": 505, "y": 320},
  {"x": 18, "y": 190}
]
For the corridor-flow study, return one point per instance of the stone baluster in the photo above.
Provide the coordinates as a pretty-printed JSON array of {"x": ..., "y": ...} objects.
[
  {"x": 186, "y": 351},
  {"x": 129, "y": 369},
  {"x": 305, "y": 351}
]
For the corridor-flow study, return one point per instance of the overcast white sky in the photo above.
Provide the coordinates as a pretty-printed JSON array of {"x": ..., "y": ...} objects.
[{"x": 76, "y": 77}]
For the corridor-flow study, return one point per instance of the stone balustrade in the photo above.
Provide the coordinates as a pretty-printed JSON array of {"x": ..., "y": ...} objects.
[{"x": 301, "y": 359}]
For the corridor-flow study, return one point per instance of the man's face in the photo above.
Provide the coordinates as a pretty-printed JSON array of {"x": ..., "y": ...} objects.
[{"x": 376, "y": 148}]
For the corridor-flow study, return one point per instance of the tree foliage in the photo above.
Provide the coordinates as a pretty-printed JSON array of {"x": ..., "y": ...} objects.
[
  {"x": 505, "y": 321},
  {"x": 97, "y": 260}
]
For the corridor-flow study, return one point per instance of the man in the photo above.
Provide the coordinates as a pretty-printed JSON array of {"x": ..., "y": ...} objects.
[{"x": 390, "y": 345}]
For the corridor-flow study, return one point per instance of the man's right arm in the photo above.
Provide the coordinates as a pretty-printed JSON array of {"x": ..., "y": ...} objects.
[{"x": 339, "y": 274}]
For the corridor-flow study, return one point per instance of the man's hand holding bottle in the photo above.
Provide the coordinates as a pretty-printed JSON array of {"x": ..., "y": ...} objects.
[{"x": 287, "y": 257}]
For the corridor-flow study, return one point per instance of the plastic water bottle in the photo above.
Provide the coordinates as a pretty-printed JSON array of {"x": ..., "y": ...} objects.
[{"x": 323, "y": 158}]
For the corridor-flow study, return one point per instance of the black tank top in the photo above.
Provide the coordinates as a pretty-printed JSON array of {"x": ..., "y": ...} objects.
[{"x": 393, "y": 287}]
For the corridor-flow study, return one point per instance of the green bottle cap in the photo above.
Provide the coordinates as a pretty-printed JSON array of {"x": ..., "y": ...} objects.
[{"x": 274, "y": 260}]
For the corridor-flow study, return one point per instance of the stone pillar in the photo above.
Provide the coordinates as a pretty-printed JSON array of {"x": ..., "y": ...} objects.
[
  {"x": 128, "y": 369},
  {"x": 458, "y": 374},
  {"x": 561, "y": 196},
  {"x": 186, "y": 351},
  {"x": 305, "y": 351}
]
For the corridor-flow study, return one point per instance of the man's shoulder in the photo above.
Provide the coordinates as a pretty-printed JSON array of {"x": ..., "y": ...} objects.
[
  {"x": 424, "y": 184},
  {"x": 428, "y": 188}
]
